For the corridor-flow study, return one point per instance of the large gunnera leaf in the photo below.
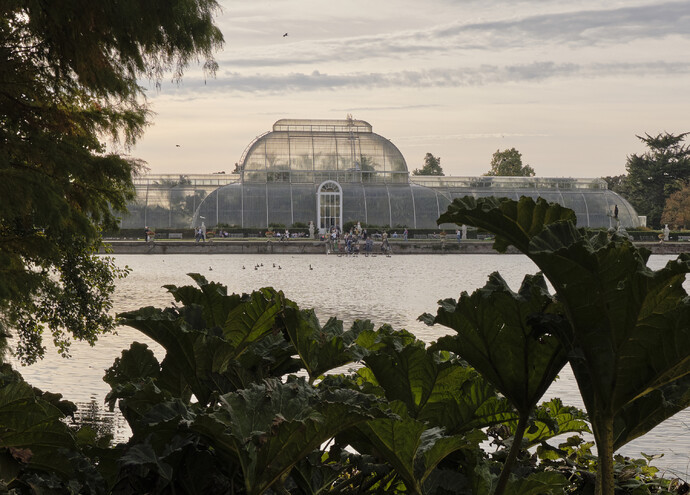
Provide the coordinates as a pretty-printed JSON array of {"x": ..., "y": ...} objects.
[
  {"x": 322, "y": 349},
  {"x": 269, "y": 427},
  {"x": 496, "y": 336},
  {"x": 628, "y": 341},
  {"x": 435, "y": 389},
  {"x": 217, "y": 343},
  {"x": 411, "y": 446}
]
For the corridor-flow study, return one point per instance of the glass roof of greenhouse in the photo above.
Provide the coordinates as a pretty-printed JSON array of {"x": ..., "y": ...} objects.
[{"x": 301, "y": 151}]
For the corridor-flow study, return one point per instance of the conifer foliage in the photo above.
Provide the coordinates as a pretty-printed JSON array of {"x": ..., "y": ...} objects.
[{"x": 69, "y": 79}]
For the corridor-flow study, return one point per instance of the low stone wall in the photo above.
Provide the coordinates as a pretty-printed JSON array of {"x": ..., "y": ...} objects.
[{"x": 319, "y": 247}]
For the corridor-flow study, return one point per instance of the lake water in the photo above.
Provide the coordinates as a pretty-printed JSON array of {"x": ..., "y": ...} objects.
[{"x": 394, "y": 290}]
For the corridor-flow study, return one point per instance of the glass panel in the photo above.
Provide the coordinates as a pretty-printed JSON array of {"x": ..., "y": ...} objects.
[
  {"x": 304, "y": 203},
  {"x": 256, "y": 158},
  {"x": 370, "y": 157},
  {"x": 253, "y": 176},
  {"x": 393, "y": 158},
  {"x": 576, "y": 202},
  {"x": 426, "y": 207},
  {"x": 254, "y": 205},
  {"x": 443, "y": 202},
  {"x": 279, "y": 204},
  {"x": 600, "y": 213},
  {"x": 324, "y": 152},
  {"x": 301, "y": 177},
  {"x": 346, "y": 153},
  {"x": 301, "y": 153},
  {"x": 353, "y": 203},
  {"x": 401, "y": 206},
  {"x": 230, "y": 205},
  {"x": 378, "y": 208}
]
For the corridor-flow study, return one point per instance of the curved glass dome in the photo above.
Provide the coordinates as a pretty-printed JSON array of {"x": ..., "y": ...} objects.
[{"x": 313, "y": 151}]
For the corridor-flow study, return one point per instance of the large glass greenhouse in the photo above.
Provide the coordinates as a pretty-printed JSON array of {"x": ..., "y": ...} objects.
[{"x": 332, "y": 172}]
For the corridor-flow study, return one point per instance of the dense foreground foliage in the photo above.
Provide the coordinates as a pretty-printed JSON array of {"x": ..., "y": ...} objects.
[{"x": 254, "y": 394}]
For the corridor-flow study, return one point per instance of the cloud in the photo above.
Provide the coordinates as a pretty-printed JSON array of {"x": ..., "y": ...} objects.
[
  {"x": 588, "y": 27},
  {"x": 380, "y": 108},
  {"x": 482, "y": 75},
  {"x": 424, "y": 140},
  {"x": 601, "y": 27}
]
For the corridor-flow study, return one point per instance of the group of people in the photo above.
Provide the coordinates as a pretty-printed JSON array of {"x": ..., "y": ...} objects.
[
  {"x": 283, "y": 236},
  {"x": 356, "y": 240}
]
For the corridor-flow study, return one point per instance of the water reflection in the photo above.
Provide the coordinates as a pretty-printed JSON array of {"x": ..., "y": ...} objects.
[
  {"x": 105, "y": 423},
  {"x": 392, "y": 290}
]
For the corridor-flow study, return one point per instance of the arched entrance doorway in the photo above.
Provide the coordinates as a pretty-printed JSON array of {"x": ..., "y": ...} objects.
[{"x": 329, "y": 206}]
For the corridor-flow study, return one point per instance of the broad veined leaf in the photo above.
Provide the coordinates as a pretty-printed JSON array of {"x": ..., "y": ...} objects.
[
  {"x": 403, "y": 369},
  {"x": 29, "y": 421},
  {"x": 451, "y": 480},
  {"x": 631, "y": 325},
  {"x": 211, "y": 361},
  {"x": 255, "y": 318},
  {"x": 135, "y": 399},
  {"x": 553, "y": 418},
  {"x": 411, "y": 446},
  {"x": 191, "y": 356},
  {"x": 462, "y": 400},
  {"x": 540, "y": 483},
  {"x": 436, "y": 445},
  {"x": 394, "y": 439},
  {"x": 171, "y": 412},
  {"x": 495, "y": 336},
  {"x": 646, "y": 412},
  {"x": 322, "y": 348},
  {"x": 385, "y": 336},
  {"x": 271, "y": 426},
  {"x": 137, "y": 363},
  {"x": 210, "y": 296},
  {"x": 144, "y": 454},
  {"x": 318, "y": 472},
  {"x": 272, "y": 356},
  {"x": 435, "y": 389}
]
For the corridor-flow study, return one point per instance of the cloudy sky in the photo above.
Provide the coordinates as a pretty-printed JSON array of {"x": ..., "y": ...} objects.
[{"x": 568, "y": 83}]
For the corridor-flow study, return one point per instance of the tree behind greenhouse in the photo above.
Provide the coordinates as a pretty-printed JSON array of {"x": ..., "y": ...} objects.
[
  {"x": 508, "y": 163},
  {"x": 677, "y": 209},
  {"x": 432, "y": 166},
  {"x": 656, "y": 174},
  {"x": 69, "y": 79}
]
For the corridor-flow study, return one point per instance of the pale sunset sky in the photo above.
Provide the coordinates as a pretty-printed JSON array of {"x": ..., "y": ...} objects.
[{"x": 568, "y": 83}]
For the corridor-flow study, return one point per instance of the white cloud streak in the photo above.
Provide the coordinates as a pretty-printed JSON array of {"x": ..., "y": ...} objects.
[
  {"x": 482, "y": 75},
  {"x": 576, "y": 29}
]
